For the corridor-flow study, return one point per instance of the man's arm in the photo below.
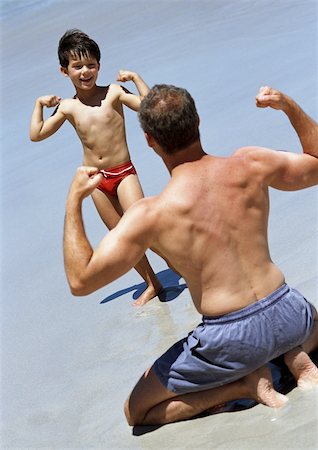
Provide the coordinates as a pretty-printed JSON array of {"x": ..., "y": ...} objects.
[
  {"x": 281, "y": 170},
  {"x": 285, "y": 170},
  {"x": 131, "y": 100},
  {"x": 305, "y": 126},
  {"x": 41, "y": 129},
  {"x": 88, "y": 270}
]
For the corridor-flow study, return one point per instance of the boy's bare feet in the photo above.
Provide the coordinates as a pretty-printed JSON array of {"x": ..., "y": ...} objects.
[{"x": 148, "y": 294}]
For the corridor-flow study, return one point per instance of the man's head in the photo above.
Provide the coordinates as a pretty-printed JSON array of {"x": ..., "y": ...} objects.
[
  {"x": 75, "y": 44},
  {"x": 168, "y": 114}
]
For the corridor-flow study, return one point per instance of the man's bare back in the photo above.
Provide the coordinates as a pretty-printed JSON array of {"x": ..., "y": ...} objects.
[{"x": 214, "y": 233}]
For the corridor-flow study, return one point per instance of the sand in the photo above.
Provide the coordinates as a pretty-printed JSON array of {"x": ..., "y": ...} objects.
[{"x": 68, "y": 364}]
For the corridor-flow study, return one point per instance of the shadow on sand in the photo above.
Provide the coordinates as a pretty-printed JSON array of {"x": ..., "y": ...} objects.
[
  {"x": 283, "y": 381},
  {"x": 169, "y": 280}
]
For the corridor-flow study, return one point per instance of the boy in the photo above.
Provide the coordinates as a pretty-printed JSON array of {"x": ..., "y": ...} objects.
[{"x": 97, "y": 115}]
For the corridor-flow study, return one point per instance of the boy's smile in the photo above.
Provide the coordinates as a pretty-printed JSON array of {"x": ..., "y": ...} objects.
[{"x": 83, "y": 72}]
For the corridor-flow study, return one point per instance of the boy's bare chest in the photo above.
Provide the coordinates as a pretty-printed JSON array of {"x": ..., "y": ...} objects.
[{"x": 86, "y": 118}]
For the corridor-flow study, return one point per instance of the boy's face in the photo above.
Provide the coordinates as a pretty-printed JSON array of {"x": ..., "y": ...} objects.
[{"x": 82, "y": 71}]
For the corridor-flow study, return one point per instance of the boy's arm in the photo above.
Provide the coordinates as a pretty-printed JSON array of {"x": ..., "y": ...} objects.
[
  {"x": 88, "y": 270},
  {"x": 41, "y": 129},
  {"x": 131, "y": 100}
]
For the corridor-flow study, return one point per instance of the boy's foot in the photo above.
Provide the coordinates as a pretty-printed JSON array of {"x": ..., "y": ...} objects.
[
  {"x": 302, "y": 367},
  {"x": 148, "y": 294}
]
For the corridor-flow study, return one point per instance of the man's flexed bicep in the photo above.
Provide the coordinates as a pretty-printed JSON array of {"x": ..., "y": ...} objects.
[
  {"x": 282, "y": 170},
  {"x": 120, "y": 250},
  {"x": 292, "y": 171},
  {"x": 289, "y": 171}
]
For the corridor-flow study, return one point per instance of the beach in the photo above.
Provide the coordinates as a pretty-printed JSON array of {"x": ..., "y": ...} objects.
[{"x": 67, "y": 363}]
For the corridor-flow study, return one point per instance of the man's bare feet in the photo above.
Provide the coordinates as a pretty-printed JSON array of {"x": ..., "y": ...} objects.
[
  {"x": 148, "y": 294},
  {"x": 302, "y": 367},
  {"x": 261, "y": 388}
]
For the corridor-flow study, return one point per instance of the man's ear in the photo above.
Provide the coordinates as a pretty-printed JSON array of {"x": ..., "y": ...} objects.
[
  {"x": 150, "y": 140},
  {"x": 198, "y": 120},
  {"x": 64, "y": 71}
]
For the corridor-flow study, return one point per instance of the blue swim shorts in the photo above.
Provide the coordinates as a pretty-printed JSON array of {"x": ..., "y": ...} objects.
[{"x": 225, "y": 348}]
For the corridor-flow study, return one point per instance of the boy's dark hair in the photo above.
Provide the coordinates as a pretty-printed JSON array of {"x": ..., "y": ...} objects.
[
  {"x": 169, "y": 115},
  {"x": 75, "y": 43}
]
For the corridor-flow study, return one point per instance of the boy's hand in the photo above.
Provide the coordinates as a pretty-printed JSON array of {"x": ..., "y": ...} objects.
[
  {"x": 126, "y": 75},
  {"x": 85, "y": 182},
  {"x": 49, "y": 100},
  {"x": 268, "y": 96}
]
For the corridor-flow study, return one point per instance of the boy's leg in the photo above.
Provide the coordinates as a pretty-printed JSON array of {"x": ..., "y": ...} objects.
[
  {"x": 108, "y": 208},
  {"x": 128, "y": 192},
  {"x": 150, "y": 403},
  {"x": 110, "y": 212}
]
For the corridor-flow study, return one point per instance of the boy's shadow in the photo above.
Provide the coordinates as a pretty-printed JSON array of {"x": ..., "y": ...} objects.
[
  {"x": 283, "y": 382},
  {"x": 169, "y": 280}
]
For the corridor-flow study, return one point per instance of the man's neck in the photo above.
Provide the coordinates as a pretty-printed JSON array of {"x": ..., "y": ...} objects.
[{"x": 193, "y": 152}]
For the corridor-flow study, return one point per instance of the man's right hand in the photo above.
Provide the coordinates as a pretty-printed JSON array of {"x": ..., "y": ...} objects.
[
  {"x": 49, "y": 100},
  {"x": 85, "y": 182},
  {"x": 269, "y": 97}
]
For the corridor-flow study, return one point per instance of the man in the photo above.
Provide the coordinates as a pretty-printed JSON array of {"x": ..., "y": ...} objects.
[{"x": 210, "y": 222}]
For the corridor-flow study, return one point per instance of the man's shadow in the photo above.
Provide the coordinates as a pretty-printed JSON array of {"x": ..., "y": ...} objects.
[
  {"x": 168, "y": 279},
  {"x": 283, "y": 382}
]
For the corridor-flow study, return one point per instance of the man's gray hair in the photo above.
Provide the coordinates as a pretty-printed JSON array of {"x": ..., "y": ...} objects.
[{"x": 169, "y": 115}]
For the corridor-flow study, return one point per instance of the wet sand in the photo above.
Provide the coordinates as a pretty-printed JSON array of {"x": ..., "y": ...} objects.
[{"x": 68, "y": 364}]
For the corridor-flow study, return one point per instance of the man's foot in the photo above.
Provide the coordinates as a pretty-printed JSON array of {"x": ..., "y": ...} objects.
[
  {"x": 261, "y": 388},
  {"x": 148, "y": 294},
  {"x": 302, "y": 367}
]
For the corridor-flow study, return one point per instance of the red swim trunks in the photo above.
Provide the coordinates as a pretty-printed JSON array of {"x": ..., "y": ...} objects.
[{"x": 114, "y": 176}]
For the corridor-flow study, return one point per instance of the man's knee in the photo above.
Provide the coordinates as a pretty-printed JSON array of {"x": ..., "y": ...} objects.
[
  {"x": 132, "y": 416},
  {"x": 127, "y": 413}
]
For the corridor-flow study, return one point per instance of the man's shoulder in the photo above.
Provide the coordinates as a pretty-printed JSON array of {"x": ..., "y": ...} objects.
[
  {"x": 142, "y": 216},
  {"x": 255, "y": 154},
  {"x": 146, "y": 208},
  {"x": 247, "y": 150},
  {"x": 149, "y": 204},
  {"x": 261, "y": 162}
]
